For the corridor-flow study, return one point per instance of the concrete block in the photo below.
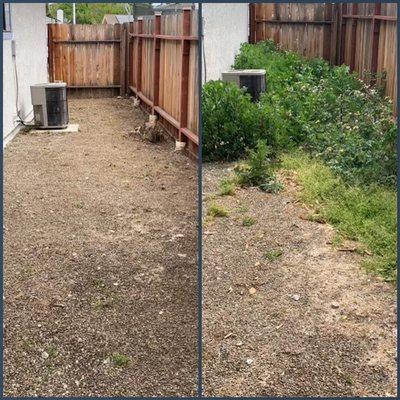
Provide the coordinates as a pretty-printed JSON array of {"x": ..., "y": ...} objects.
[{"x": 71, "y": 128}]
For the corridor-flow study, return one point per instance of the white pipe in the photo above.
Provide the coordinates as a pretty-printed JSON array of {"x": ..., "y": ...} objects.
[
  {"x": 60, "y": 16},
  {"x": 73, "y": 14}
]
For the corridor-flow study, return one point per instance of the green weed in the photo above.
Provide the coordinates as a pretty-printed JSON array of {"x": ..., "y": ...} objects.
[
  {"x": 273, "y": 255},
  {"x": 28, "y": 344},
  {"x": 79, "y": 204},
  {"x": 120, "y": 360},
  {"x": 216, "y": 210},
  {"x": 231, "y": 121},
  {"x": 243, "y": 209},
  {"x": 99, "y": 284},
  {"x": 52, "y": 351},
  {"x": 349, "y": 380},
  {"x": 327, "y": 110},
  {"x": 363, "y": 213},
  {"x": 248, "y": 221},
  {"x": 101, "y": 304},
  {"x": 257, "y": 170},
  {"x": 226, "y": 187}
]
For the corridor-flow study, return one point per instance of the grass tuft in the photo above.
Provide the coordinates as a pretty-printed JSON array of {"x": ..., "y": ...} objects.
[
  {"x": 79, "y": 204},
  {"x": 243, "y": 209},
  {"x": 226, "y": 187},
  {"x": 366, "y": 214},
  {"x": 216, "y": 210},
  {"x": 119, "y": 360},
  {"x": 248, "y": 221},
  {"x": 52, "y": 351},
  {"x": 273, "y": 255}
]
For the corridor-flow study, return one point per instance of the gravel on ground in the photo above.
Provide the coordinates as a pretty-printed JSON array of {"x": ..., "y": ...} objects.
[
  {"x": 100, "y": 269},
  {"x": 286, "y": 313}
]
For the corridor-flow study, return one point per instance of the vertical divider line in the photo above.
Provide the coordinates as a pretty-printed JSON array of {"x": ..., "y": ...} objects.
[
  {"x": 2, "y": 9},
  {"x": 398, "y": 186},
  {"x": 200, "y": 209}
]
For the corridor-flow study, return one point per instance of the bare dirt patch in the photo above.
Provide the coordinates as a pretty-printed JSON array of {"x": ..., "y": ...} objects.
[
  {"x": 285, "y": 313},
  {"x": 100, "y": 272}
]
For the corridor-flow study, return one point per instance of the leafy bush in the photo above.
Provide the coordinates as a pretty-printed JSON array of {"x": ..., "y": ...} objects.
[
  {"x": 231, "y": 122},
  {"x": 257, "y": 170},
  {"x": 326, "y": 110}
]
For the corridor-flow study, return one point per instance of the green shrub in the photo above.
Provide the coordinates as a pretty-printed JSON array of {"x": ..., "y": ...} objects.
[
  {"x": 326, "y": 110},
  {"x": 231, "y": 122},
  {"x": 257, "y": 169}
]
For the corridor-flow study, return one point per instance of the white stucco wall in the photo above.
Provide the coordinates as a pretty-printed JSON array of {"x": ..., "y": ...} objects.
[
  {"x": 29, "y": 31},
  {"x": 225, "y": 27}
]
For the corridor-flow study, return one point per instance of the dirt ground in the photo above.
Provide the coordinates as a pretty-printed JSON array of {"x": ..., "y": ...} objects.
[
  {"x": 285, "y": 313},
  {"x": 100, "y": 260}
]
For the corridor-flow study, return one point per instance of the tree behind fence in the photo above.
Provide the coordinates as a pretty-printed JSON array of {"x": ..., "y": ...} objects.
[{"x": 361, "y": 35}]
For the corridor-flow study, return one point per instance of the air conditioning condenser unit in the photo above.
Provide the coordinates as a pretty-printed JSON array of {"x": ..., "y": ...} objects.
[
  {"x": 252, "y": 79},
  {"x": 50, "y": 105}
]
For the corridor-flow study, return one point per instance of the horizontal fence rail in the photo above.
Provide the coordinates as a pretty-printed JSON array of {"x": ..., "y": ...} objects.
[{"x": 360, "y": 35}]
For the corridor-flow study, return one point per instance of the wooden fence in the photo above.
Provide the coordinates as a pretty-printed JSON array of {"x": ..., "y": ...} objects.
[
  {"x": 155, "y": 58},
  {"x": 86, "y": 57},
  {"x": 361, "y": 35},
  {"x": 163, "y": 70}
]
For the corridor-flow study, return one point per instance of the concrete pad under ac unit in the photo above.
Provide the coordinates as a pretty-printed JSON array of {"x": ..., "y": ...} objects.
[{"x": 71, "y": 128}]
